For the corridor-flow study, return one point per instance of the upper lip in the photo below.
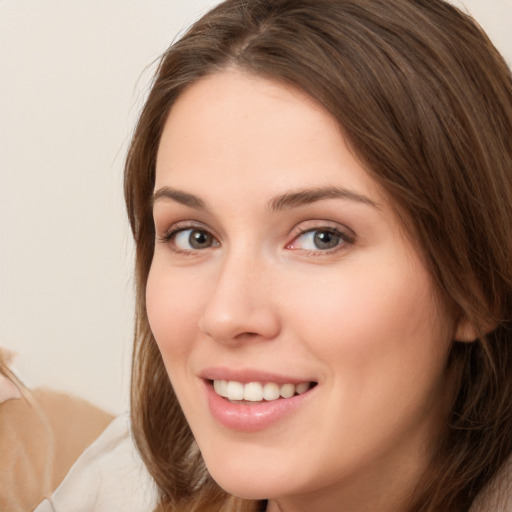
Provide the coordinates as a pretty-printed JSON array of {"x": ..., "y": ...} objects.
[{"x": 245, "y": 375}]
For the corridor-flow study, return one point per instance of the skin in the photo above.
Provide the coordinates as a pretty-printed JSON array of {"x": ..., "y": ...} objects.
[{"x": 361, "y": 318}]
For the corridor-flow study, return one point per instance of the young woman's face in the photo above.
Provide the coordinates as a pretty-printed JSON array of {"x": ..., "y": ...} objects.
[{"x": 299, "y": 327}]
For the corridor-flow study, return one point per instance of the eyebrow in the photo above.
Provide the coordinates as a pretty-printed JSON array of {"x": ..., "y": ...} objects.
[
  {"x": 312, "y": 195},
  {"x": 278, "y": 203},
  {"x": 179, "y": 196}
]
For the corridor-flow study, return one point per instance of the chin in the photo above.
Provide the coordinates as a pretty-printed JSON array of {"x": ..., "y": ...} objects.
[{"x": 249, "y": 483}]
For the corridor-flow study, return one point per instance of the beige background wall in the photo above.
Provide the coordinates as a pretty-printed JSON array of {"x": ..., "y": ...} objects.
[{"x": 72, "y": 79}]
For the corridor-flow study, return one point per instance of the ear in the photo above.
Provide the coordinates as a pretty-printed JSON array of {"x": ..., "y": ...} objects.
[{"x": 466, "y": 332}]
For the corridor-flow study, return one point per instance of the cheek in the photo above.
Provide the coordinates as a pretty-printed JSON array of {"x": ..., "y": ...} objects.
[
  {"x": 382, "y": 344},
  {"x": 173, "y": 305},
  {"x": 371, "y": 323}
]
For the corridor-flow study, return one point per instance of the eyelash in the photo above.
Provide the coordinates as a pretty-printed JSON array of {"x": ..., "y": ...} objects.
[
  {"x": 169, "y": 236},
  {"x": 344, "y": 240},
  {"x": 344, "y": 237}
]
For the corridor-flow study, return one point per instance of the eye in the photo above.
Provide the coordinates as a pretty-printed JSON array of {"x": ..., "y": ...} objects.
[
  {"x": 191, "y": 239},
  {"x": 324, "y": 239}
]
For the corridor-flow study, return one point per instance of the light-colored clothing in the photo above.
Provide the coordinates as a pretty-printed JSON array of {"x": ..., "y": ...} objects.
[
  {"x": 42, "y": 434},
  {"x": 497, "y": 495},
  {"x": 108, "y": 476}
]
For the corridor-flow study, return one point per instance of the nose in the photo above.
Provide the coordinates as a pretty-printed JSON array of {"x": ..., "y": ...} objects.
[{"x": 241, "y": 305}]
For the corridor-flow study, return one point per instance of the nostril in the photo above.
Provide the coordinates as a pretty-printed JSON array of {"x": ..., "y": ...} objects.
[{"x": 246, "y": 335}]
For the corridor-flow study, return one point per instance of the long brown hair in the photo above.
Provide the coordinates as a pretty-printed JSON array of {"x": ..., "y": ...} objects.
[{"x": 425, "y": 101}]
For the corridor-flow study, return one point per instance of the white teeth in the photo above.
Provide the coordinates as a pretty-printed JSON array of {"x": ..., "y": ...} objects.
[
  {"x": 253, "y": 392},
  {"x": 287, "y": 390},
  {"x": 256, "y": 392},
  {"x": 235, "y": 390},
  {"x": 221, "y": 387},
  {"x": 302, "y": 387},
  {"x": 270, "y": 391}
]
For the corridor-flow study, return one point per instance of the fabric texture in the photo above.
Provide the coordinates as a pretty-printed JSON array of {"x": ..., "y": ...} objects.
[
  {"x": 41, "y": 437},
  {"x": 109, "y": 475},
  {"x": 497, "y": 495}
]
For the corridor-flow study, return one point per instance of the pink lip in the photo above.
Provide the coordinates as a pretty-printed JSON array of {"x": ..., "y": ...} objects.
[
  {"x": 253, "y": 416},
  {"x": 249, "y": 375}
]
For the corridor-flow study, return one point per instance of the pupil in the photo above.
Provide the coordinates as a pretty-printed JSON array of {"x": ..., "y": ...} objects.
[
  {"x": 326, "y": 240},
  {"x": 199, "y": 239}
]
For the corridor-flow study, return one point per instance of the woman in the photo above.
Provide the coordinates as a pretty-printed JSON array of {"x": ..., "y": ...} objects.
[{"x": 320, "y": 192}]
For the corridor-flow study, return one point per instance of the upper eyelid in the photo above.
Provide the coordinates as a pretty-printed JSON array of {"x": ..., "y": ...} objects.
[
  {"x": 165, "y": 235},
  {"x": 346, "y": 237},
  {"x": 168, "y": 237},
  {"x": 183, "y": 225},
  {"x": 299, "y": 229},
  {"x": 319, "y": 225}
]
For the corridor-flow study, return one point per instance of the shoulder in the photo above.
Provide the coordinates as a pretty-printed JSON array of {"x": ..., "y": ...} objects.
[
  {"x": 109, "y": 475},
  {"x": 75, "y": 424},
  {"x": 497, "y": 495},
  {"x": 40, "y": 439}
]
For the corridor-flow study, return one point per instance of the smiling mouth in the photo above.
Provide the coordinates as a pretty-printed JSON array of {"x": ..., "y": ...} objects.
[{"x": 239, "y": 392}]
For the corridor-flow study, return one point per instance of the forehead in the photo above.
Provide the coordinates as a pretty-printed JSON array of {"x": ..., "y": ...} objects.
[{"x": 233, "y": 128}]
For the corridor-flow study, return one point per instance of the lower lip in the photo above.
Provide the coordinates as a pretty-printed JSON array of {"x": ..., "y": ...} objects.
[{"x": 255, "y": 416}]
